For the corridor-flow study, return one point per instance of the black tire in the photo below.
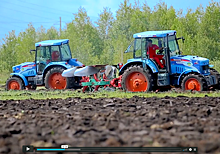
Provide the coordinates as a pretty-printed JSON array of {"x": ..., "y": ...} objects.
[
  {"x": 69, "y": 81},
  {"x": 140, "y": 71},
  {"x": 16, "y": 80},
  {"x": 76, "y": 82},
  {"x": 217, "y": 75},
  {"x": 199, "y": 79}
]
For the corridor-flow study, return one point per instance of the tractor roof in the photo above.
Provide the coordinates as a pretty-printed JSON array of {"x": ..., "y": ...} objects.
[
  {"x": 51, "y": 42},
  {"x": 154, "y": 33}
]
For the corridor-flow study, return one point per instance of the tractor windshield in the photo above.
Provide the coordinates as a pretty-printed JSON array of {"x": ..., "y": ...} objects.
[
  {"x": 174, "y": 48},
  {"x": 65, "y": 51}
]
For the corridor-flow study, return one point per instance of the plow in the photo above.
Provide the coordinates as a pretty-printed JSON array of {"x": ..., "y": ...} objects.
[
  {"x": 157, "y": 63},
  {"x": 96, "y": 77}
]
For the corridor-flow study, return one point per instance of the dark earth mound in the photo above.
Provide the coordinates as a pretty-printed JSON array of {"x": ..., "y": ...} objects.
[{"x": 170, "y": 122}]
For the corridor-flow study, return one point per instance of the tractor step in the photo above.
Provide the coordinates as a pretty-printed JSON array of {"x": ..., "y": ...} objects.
[
  {"x": 38, "y": 80},
  {"x": 162, "y": 70},
  {"x": 163, "y": 79}
]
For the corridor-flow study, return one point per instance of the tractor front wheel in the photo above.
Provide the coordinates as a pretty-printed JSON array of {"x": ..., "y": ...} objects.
[
  {"x": 135, "y": 79},
  {"x": 14, "y": 83},
  {"x": 194, "y": 82},
  {"x": 55, "y": 80}
]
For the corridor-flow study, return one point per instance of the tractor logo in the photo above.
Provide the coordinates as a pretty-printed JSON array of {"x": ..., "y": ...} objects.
[{"x": 189, "y": 64}]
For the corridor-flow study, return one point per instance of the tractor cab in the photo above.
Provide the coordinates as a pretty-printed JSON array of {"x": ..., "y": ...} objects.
[
  {"x": 150, "y": 45},
  {"x": 51, "y": 52}
]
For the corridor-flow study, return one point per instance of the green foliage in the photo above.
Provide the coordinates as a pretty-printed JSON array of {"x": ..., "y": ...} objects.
[{"x": 104, "y": 41}]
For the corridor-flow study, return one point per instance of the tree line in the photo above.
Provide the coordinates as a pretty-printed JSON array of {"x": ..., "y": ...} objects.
[{"x": 105, "y": 40}]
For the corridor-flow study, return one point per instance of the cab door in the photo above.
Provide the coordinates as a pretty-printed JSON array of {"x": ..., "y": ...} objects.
[
  {"x": 43, "y": 58},
  {"x": 144, "y": 55}
]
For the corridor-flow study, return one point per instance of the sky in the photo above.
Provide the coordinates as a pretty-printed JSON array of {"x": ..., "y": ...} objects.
[{"x": 16, "y": 14}]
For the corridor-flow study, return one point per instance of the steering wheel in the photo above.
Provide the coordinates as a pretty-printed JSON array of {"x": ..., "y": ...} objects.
[{"x": 161, "y": 51}]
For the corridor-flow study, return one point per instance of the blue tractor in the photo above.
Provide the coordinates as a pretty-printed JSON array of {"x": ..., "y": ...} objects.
[
  {"x": 52, "y": 57},
  {"x": 142, "y": 73}
]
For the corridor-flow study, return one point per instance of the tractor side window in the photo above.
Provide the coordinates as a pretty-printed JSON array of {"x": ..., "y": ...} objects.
[
  {"x": 42, "y": 53},
  {"x": 152, "y": 45},
  {"x": 55, "y": 53},
  {"x": 66, "y": 53},
  {"x": 174, "y": 49},
  {"x": 137, "y": 48}
]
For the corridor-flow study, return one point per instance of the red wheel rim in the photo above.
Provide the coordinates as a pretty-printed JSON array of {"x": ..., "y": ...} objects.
[
  {"x": 192, "y": 84},
  {"x": 14, "y": 85},
  {"x": 57, "y": 81},
  {"x": 136, "y": 82}
]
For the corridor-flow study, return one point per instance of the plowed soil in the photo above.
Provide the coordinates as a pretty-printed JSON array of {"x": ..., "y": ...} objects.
[{"x": 170, "y": 122}]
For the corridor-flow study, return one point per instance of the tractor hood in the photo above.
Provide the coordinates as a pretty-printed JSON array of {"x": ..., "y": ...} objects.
[
  {"x": 23, "y": 67},
  {"x": 190, "y": 62},
  {"x": 194, "y": 60}
]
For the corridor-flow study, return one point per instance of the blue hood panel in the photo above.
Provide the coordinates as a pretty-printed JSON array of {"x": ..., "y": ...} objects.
[
  {"x": 182, "y": 63},
  {"x": 27, "y": 68},
  {"x": 193, "y": 59}
]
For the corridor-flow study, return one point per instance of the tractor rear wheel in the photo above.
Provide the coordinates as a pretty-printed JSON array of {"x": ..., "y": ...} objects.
[
  {"x": 55, "y": 80},
  {"x": 135, "y": 79},
  {"x": 14, "y": 83},
  {"x": 194, "y": 82},
  {"x": 217, "y": 75}
]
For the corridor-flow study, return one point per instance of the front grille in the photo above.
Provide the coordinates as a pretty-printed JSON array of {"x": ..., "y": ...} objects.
[{"x": 205, "y": 67}]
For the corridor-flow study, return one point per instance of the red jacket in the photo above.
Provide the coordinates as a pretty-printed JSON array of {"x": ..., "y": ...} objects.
[{"x": 152, "y": 50}]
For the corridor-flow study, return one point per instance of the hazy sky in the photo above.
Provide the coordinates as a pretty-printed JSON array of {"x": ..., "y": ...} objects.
[{"x": 16, "y": 14}]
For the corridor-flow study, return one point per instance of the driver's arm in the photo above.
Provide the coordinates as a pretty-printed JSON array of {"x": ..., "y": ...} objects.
[
  {"x": 157, "y": 48},
  {"x": 160, "y": 48}
]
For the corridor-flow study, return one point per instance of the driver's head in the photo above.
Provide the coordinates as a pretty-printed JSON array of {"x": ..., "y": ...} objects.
[{"x": 149, "y": 42}]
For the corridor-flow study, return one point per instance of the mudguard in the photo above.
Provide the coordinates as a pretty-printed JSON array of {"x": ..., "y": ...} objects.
[
  {"x": 75, "y": 62},
  {"x": 186, "y": 72},
  {"x": 21, "y": 76},
  {"x": 138, "y": 61},
  {"x": 56, "y": 64},
  {"x": 211, "y": 66}
]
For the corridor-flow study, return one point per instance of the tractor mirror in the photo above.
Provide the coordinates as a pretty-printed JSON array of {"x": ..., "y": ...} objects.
[
  {"x": 128, "y": 49},
  {"x": 183, "y": 39},
  {"x": 32, "y": 51}
]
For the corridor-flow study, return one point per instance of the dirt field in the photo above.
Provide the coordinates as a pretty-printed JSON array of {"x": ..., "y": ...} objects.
[{"x": 137, "y": 121}]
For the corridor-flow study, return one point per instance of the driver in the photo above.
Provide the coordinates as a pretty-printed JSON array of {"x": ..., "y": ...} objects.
[
  {"x": 55, "y": 56},
  {"x": 151, "y": 50}
]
